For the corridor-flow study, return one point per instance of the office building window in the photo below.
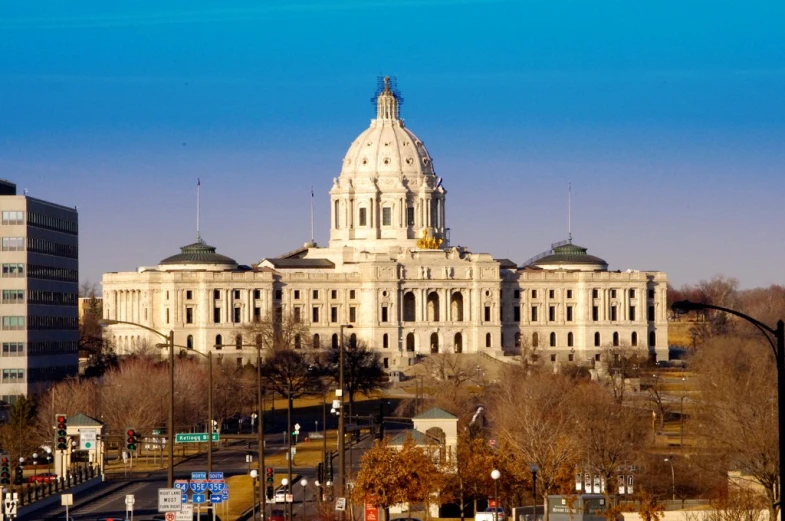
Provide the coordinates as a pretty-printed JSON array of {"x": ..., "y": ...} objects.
[
  {"x": 189, "y": 295},
  {"x": 216, "y": 315},
  {"x": 570, "y": 340},
  {"x": 333, "y": 294},
  {"x": 595, "y": 293},
  {"x": 217, "y": 294},
  {"x": 534, "y": 293},
  {"x": 613, "y": 314},
  {"x": 13, "y": 348},
  {"x": 613, "y": 293},
  {"x": 297, "y": 314},
  {"x": 189, "y": 315},
  {"x": 13, "y": 323},
  {"x": 551, "y": 293},
  {"x": 297, "y": 294},
  {"x": 352, "y": 294},
  {"x": 632, "y": 293},
  {"x": 167, "y": 315},
  {"x": 551, "y": 313},
  {"x": 363, "y": 217},
  {"x": 13, "y": 243},
  {"x": 569, "y": 293},
  {"x": 632, "y": 313},
  {"x": 410, "y": 216},
  {"x": 553, "y": 340},
  {"x": 11, "y": 376},
  {"x": 385, "y": 341},
  {"x": 236, "y": 315},
  {"x": 236, "y": 294},
  {"x": 13, "y": 270},
  {"x": 13, "y": 217},
  {"x": 386, "y": 216},
  {"x": 257, "y": 294},
  {"x": 334, "y": 314},
  {"x": 315, "y": 294},
  {"x": 534, "y": 314},
  {"x": 352, "y": 314},
  {"x": 384, "y": 314},
  {"x": 595, "y": 313},
  {"x": 487, "y": 313},
  {"x": 569, "y": 313},
  {"x": 315, "y": 315},
  {"x": 14, "y": 296}
]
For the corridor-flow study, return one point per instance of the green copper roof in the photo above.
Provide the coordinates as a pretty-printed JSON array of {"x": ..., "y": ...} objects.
[
  {"x": 199, "y": 253},
  {"x": 566, "y": 253},
  {"x": 83, "y": 420},
  {"x": 435, "y": 414},
  {"x": 418, "y": 437}
]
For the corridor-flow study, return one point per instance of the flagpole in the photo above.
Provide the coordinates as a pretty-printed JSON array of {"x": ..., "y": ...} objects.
[
  {"x": 198, "y": 185},
  {"x": 312, "y": 214}
]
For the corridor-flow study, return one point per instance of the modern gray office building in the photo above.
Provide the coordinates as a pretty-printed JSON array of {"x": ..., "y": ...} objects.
[{"x": 39, "y": 282}]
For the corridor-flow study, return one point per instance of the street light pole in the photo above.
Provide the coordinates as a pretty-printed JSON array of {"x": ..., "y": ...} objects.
[
  {"x": 684, "y": 306},
  {"x": 495, "y": 475},
  {"x": 673, "y": 477},
  {"x": 341, "y": 414},
  {"x": 260, "y": 428},
  {"x": 534, "y": 468}
]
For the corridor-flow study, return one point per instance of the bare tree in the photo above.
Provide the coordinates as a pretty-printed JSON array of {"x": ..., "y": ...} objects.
[
  {"x": 619, "y": 363},
  {"x": 362, "y": 369},
  {"x": 278, "y": 330}
]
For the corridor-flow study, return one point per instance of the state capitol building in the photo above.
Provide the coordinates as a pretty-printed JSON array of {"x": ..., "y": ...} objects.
[{"x": 391, "y": 273}]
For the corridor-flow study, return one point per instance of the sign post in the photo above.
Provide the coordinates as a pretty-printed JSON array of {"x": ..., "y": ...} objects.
[
  {"x": 66, "y": 500},
  {"x": 87, "y": 439},
  {"x": 169, "y": 500},
  {"x": 195, "y": 437}
]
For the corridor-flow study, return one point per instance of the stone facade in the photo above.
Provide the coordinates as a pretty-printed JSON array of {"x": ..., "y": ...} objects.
[{"x": 389, "y": 271}]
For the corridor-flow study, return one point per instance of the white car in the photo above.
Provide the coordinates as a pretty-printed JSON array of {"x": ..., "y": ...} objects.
[{"x": 280, "y": 495}]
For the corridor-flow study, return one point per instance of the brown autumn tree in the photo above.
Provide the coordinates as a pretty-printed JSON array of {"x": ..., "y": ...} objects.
[
  {"x": 736, "y": 410},
  {"x": 469, "y": 478},
  {"x": 535, "y": 417},
  {"x": 382, "y": 478},
  {"x": 426, "y": 478}
]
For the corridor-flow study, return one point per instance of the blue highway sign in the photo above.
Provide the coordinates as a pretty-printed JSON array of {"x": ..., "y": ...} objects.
[
  {"x": 216, "y": 475},
  {"x": 198, "y": 499},
  {"x": 216, "y": 498}
]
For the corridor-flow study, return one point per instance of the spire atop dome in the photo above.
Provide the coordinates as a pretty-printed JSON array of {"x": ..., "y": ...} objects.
[{"x": 387, "y": 99}]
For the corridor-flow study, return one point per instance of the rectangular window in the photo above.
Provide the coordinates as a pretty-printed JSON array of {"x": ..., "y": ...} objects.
[
  {"x": 613, "y": 314},
  {"x": 534, "y": 293},
  {"x": 13, "y": 243},
  {"x": 257, "y": 294},
  {"x": 553, "y": 358},
  {"x": 167, "y": 295},
  {"x": 216, "y": 315},
  {"x": 632, "y": 293},
  {"x": 650, "y": 316},
  {"x": 217, "y": 294},
  {"x": 13, "y": 270},
  {"x": 534, "y": 313},
  {"x": 516, "y": 314},
  {"x": 13, "y": 376},
  {"x": 315, "y": 294},
  {"x": 410, "y": 216},
  {"x": 334, "y": 314},
  {"x": 13, "y": 218},
  {"x": 551, "y": 293},
  {"x": 297, "y": 316},
  {"x": 315, "y": 315},
  {"x": 352, "y": 294},
  {"x": 236, "y": 315},
  {"x": 569, "y": 313},
  {"x": 189, "y": 295},
  {"x": 651, "y": 293},
  {"x": 487, "y": 313},
  {"x": 595, "y": 313},
  {"x": 13, "y": 348},
  {"x": 595, "y": 293},
  {"x": 333, "y": 294},
  {"x": 13, "y": 296},
  {"x": 384, "y": 314},
  {"x": 551, "y": 313},
  {"x": 189, "y": 315},
  {"x": 13, "y": 323},
  {"x": 297, "y": 294},
  {"x": 278, "y": 294},
  {"x": 516, "y": 294},
  {"x": 236, "y": 294},
  {"x": 167, "y": 315},
  {"x": 257, "y": 314},
  {"x": 363, "y": 217},
  {"x": 352, "y": 314},
  {"x": 569, "y": 293},
  {"x": 386, "y": 216},
  {"x": 632, "y": 313},
  {"x": 613, "y": 293}
]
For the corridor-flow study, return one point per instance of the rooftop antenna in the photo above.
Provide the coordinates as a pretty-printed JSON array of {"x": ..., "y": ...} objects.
[
  {"x": 311, "y": 214},
  {"x": 569, "y": 212},
  {"x": 198, "y": 186}
]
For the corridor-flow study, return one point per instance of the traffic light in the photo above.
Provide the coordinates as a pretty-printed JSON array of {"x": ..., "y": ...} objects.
[
  {"x": 5, "y": 471},
  {"x": 269, "y": 492},
  {"x": 62, "y": 426},
  {"x": 270, "y": 476},
  {"x": 19, "y": 476},
  {"x": 131, "y": 441}
]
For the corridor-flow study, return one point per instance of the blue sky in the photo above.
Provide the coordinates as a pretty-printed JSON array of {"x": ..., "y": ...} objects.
[{"x": 668, "y": 118}]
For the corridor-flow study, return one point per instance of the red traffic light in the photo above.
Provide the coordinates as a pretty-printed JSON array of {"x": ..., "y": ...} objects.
[
  {"x": 269, "y": 471},
  {"x": 4, "y": 460},
  {"x": 131, "y": 432},
  {"x": 61, "y": 419}
]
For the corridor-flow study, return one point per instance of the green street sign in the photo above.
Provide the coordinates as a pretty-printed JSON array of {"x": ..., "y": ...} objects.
[{"x": 195, "y": 437}]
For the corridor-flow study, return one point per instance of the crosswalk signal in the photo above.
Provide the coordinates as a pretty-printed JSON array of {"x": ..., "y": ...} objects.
[
  {"x": 131, "y": 441},
  {"x": 5, "y": 471},
  {"x": 62, "y": 426}
]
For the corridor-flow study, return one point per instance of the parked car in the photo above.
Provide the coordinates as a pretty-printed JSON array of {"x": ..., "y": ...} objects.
[
  {"x": 491, "y": 514},
  {"x": 46, "y": 477},
  {"x": 280, "y": 495},
  {"x": 277, "y": 515}
]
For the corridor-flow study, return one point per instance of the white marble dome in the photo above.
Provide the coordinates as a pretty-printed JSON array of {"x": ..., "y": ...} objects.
[{"x": 387, "y": 146}]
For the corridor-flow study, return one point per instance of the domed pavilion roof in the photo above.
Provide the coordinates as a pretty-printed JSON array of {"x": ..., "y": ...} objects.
[
  {"x": 568, "y": 256},
  {"x": 199, "y": 254}
]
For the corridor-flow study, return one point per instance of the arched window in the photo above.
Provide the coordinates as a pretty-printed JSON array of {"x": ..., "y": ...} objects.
[
  {"x": 353, "y": 341},
  {"x": 385, "y": 341},
  {"x": 238, "y": 341},
  {"x": 219, "y": 342},
  {"x": 615, "y": 338},
  {"x": 487, "y": 340},
  {"x": 569, "y": 339},
  {"x": 434, "y": 343},
  {"x": 597, "y": 339},
  {"x": 316, "y": 342},
  {"x": 189, "y": 342},
  {"x": 337, "y": 214},
  {"x": 410, "y": 342},
  {"x": 553, "y": 340},
  {"x": 535, "y": 340},
  {"x": 409, "y": 307},
  {"x": 652, "y": 339},
  {"x": 634, "y": 339},
  {"x": 458, "y": 343},
  {"x": 297, "y": 342},
  {"x": 335, "y": 341}
]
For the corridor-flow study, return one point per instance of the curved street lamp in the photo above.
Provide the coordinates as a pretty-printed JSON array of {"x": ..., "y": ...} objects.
[
  {"x": 776, "y": 339},
  {"x": 170, "y": 423}
]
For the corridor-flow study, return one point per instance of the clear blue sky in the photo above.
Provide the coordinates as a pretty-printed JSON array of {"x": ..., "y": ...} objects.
[{"x": 667, "y": 117}]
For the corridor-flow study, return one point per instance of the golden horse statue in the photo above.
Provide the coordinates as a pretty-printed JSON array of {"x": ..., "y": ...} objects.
[{"x": 428, "y": 243}]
